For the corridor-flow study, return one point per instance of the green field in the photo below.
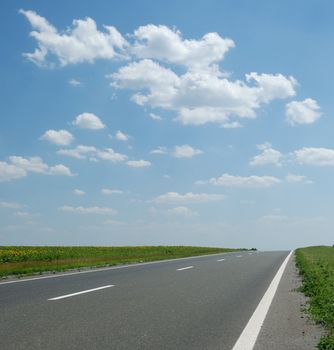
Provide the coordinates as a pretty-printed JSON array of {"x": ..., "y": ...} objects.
[
  {"x": 316, "y": 265},
  {"x": 20, "y": 260}
]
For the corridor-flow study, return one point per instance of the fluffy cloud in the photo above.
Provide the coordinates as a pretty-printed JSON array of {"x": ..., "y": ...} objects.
[
  {"x": 81, "y": 43},
  {"x": 161, "y": 83},
  {"x": 164, "y": 44},
  {"x": 302, "y": 112},
  {"x": 79, "y": 152},
  {"x": 243, "y": 181},
  {"x": 174, "y": 197},
  {"x": 92, "y": 153},
  {"x": 160, "y": 150},
  {"x": 181, "y": 211},
  {"x": 88, "y": 210},
  {"x": 19, "y": 167},
  {"x": 78, "y": 192},
  {"x": 109, "y": 192},
  {"x": 232, "y": 125},
  {"x": 292, "y": 178},
  {"x": 155, "y": 116},
  {"x": 121, "y": 136},
  {"x": 198, "y": 93},
  {"x": 10, "y": 172},
  {"x": 110, "y": 154},
  {"x": 60, "y": 137},
  {"x": 315, "y": 156},
  {"x": 269, "y": 87},
  {"x": 60, "y": 169},
  {"x": 184, "y": 151},
  {"x": 200, "y": 97},
  {"x": 33, "y": 164},
  {"x": 138, "y": 163},
  {"x": 88, "y": 121},
  {"x": 268, "y": 156},
  {"x": 74, "y": 82}
]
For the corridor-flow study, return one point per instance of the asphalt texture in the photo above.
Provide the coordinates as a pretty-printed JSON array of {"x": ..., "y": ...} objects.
[{"x": 151, "y": 306}]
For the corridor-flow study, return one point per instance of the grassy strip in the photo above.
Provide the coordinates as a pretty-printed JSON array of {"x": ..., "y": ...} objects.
[
  {"x": 23, "y": 260},
  {"x": 316, "y": 265}
]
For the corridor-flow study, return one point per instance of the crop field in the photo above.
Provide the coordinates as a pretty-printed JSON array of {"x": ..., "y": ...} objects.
[
  {"x": 20, "y": 260},
  {"x": 316, "y": 265}
]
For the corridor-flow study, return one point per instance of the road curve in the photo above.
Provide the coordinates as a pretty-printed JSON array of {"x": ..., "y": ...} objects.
[{"x": 194, "y": 303}]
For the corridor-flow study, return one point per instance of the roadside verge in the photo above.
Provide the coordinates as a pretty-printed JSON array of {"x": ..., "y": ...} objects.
[{"x": 286, "y": 325}]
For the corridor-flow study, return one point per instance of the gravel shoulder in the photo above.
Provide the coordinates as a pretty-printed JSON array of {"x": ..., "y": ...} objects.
[{"x": 287, "y": 326}]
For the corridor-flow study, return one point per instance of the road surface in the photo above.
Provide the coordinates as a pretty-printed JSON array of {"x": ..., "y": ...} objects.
[{"x": 193, "y": 303}]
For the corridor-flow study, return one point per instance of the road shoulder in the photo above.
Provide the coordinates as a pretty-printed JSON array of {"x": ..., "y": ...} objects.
[{"x": 286, "y": 325}]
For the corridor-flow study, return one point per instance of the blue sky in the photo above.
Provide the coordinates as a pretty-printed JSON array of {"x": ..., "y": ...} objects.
[{"x": 127, "y": 123}]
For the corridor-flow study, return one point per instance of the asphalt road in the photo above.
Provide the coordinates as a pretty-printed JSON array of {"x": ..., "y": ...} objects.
[{"x": 194, "y": 303}]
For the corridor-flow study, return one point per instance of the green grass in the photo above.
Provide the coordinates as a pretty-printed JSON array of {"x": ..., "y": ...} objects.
[
  {"x": 23, "y": 260},
  {"x": 316, "y": 265}
]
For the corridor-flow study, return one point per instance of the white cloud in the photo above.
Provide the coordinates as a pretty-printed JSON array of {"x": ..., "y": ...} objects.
[
  {"x": 155, "y": 116},
  {"x": 88, "y": 121},
  {"x": 315, "y": 156},
  {"x": 232, "y": 125},
  {"x": 243, "y": 181},
  {"x": 78, "y": 192},
  {"x": 88, "y": 210},
  {"x": 302, "y": 112},
  {"x": 109, "y": 192},
  {"x": 185, "y": 151},
  {"x": 81, "y": 43},
  {"x": 174, "y": 197},
  {"x": 110, "y": 154},
  {"x": 60, "y": 169},
  {"x": 272, "y": 86},
  {"x": 74, "y": 82},
  {"x": 268, "y": 156},
  {"x": 200, "y": 97},
  {"x": 79, "y": 152},
  {"x": 10, "y": 172},
  {"x": 199, "y": 93},
  {"x": 160, "y": 150},
  {"x": 138, "y": 163},
  {"x": 60, "y": 137},
  {"x": 293, "y": 178},
  {"x": 182, "y": 211},
  {"x": 177, "y": 211},
  {"x": 36, "y": 165},
  {"x": 160, "y": 82},
  {"x": 33, "y": 164},
  {"x": 10, "y": 205},
  {"x": 92, "y": 153},
  {"x": 162, "y": 43},
  {"x": 121, "y": 136},
  {"x": 20, "y": 166}
]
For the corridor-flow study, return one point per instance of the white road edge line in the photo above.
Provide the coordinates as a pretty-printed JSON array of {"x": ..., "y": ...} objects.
[
  {"x": 220, "y": 259},
  {"x": 82, "y": 292},
  {"x": 112, "y": 268},
  {"x": 185, "y": 268},
  {"x": 239, "y": 256},
  {"x": 250, "y": 333}
]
